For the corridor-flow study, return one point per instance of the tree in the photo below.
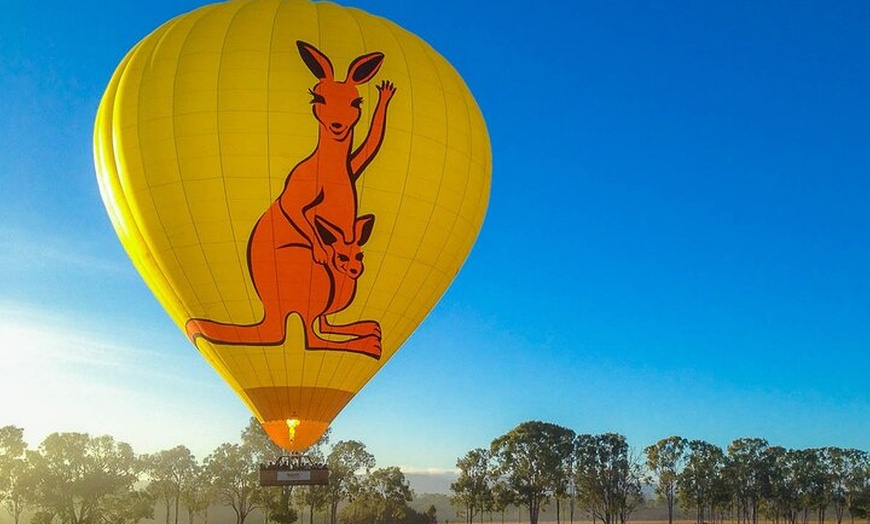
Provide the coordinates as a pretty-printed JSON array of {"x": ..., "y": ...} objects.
[
  {"x": 700, "y": 481},
  {"x": 472, "y": 489},
  {"x": 312, "y": 497},
  {"x": 235, "y": 476},
  {"x": 749, "y": 470},
  {"x": 531, "y": 460},
  {"x": 81, "y": 478},
  {"x": 858, "y": 484},
  {"x": 128, "y": 507},
  {"x": 16, "y": 478},
  {"x": 783, "y": 500},
  {"x": 198, "y": 494},
  {"x": 815, "y": 483},
  {"x": 170, "y": 470},
  {"x": 665, "y": 460},
  {"x": 608, "y": 479},
  {"x": 382, "y": 498},
  {"x": 345, "y": 460},
  {"x": 502, "y": 496},
  {"x": 848, "y": 472}
]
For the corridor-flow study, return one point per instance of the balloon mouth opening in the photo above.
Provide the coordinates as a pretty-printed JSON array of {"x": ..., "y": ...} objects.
[{"x": 294, "y": 435}]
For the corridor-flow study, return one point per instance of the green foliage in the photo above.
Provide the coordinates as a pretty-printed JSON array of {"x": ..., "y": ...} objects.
[
  {"x": 73, "y": 478},
  {"x": 235, "y": 476},
  {"x": 346, "y": 460},
  {"x": 701, "y": 485},
  {"x": 80, "y": 478},
  {"x": 748, "y": 471},
  {"x": 16, "y": 472},
  {"x": 170, "y": 471},
  {"x": 665, "y": 461},
  {"x": 532, "y": 462},
  {"x": 382, "y": 498},
  {"x": 608, "y": 479},
  {"x": 473, "y": 488}
]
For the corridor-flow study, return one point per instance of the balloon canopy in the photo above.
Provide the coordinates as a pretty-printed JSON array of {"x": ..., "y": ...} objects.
[{"x": 298, "y": 183}]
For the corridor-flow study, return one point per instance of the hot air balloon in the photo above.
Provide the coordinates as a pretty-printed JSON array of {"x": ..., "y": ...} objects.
[{"x": 298, "y": 183}]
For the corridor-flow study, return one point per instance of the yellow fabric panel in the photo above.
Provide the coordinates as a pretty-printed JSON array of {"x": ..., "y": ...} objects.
[{"x": 198, "y": 130}]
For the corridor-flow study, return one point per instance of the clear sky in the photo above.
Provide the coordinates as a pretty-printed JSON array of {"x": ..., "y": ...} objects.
[{"x": 678, "y": 237}]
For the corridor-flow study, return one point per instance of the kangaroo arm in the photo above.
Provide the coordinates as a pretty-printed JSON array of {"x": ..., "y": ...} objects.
[{"x": 366, "y": 152}]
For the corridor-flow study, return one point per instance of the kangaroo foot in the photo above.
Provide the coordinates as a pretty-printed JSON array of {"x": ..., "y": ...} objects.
[
  {"x": 366, "y": 328},
  {"x": 367, "y": 345}
]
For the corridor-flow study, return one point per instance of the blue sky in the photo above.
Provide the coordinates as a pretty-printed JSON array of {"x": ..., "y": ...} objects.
[{"x": 677, "y": 239}]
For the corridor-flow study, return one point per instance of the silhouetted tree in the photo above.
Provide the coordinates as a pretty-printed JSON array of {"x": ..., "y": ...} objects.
[
  {"x": 472, "y": 490},
  {"x": 235, "y": 475},
  {"x": 607, "y": 477},
  {"x": 530, "y": 461},
  {"x": 82, "y": 480},
  {"x": 16, "y": 472},
  {"x": 748, "y": 468},
  {"x": 169, "y": 471},
  {"x": 700, "y": 482},
  {"x": 346, "y": 460},
  {"x": 382, "y": 498},
  {"x": 665, "y": 461}
]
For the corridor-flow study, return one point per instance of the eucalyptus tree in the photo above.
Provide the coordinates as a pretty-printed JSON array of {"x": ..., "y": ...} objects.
[
  {"x": 607, "y": 477},
  {"x": 700, "y": 482},
  {"x": 665, "y": 461},
  {"x": 198, "y": 494},
  {"x": 235, "y": 476},
  {"x": 382, "y": 498},
  {"x": 472, "y": 489},
  {"x": 858, "y": 485},
  {"x": 16, "y": 478},
  {"x": 783, "y": 498},
  {"x": 502, "y": 496},
  {"x": 849, "y": 471},
  {"x": 816, "y": 483},
  {"x": 345, "y": 460},
  {"x": 169, "y": 472},
  {"x": 749, "y": 469},
  {"x": 531, "y": 460},
  {"x": 83, "y": 479}
]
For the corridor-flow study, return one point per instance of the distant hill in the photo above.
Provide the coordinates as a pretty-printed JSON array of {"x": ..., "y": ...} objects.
[{"x": 431, "y": 482}]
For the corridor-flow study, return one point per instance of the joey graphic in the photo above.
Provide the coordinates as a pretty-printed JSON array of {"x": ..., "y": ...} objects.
[{"x": 304, "y": 253}]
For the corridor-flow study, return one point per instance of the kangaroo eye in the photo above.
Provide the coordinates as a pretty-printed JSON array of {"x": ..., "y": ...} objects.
[
  {"x": 359, "y": 256},
  {"x": 357, "y": 102},
  {"x": 315, "y": 98},
  {"x": 343, "y": 258}
]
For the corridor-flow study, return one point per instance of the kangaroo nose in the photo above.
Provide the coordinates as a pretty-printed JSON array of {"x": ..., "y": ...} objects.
[
  {"x": 336, "y": 125},
  {"x": 354, "y": 271}
]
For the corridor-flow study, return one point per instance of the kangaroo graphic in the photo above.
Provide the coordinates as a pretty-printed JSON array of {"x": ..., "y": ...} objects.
[{"x": 304, "y": 253}]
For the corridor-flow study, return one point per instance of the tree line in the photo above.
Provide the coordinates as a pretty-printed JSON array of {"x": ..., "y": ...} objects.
[
  {"x": 540, "y": 463},
  {"x": 75, "y": 478}
]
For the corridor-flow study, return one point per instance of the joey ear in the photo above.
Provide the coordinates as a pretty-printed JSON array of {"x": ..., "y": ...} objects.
[
  {"x": 317, "y": 62},
  {"x": 364, "y": 68},
  {"x": 363, "y": 226},
  {"x": 327, "y": 232}
]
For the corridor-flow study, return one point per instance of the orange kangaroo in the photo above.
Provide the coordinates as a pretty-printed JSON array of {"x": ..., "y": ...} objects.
[{"x": 304, "y": 252}]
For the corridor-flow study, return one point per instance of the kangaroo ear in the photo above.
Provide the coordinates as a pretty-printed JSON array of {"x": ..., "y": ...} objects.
[
  {"x": 316, "y": 61},
  {"x": 364, "y": 68},
  {"x": 363, "y": 226},
  {"x": 327, "y": 232}
]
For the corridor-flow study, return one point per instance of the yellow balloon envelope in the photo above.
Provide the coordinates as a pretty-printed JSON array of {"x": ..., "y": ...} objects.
[{"x": 298, "y": 183}]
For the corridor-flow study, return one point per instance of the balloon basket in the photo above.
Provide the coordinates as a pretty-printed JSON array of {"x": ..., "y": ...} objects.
[{"x": 293, "y": 470}]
